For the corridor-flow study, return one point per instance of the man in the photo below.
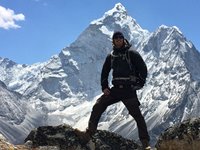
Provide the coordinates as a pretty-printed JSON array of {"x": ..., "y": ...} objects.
[{"x": 129, "y": 74}]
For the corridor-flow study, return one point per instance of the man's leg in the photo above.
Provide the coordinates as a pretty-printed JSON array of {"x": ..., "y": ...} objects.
[
  {"x": 132, "y": 105},
  {"x": 100, "y": 106}
]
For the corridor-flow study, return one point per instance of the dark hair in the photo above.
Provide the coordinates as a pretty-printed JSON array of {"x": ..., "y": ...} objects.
[{"x": 117, "y": 34}]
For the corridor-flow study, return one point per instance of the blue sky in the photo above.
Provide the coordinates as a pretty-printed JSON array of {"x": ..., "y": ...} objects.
[{"x": 33, "y": 30}]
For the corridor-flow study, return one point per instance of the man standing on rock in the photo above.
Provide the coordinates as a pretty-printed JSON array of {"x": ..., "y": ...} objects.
[{"x": 129, "y": 74}]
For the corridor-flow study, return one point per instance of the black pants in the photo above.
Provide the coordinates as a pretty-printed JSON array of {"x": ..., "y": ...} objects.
[{"x": 130, "y": 100}]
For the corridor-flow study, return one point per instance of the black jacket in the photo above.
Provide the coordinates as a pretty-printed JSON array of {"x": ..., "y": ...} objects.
[{"x": 121, "y": 67}]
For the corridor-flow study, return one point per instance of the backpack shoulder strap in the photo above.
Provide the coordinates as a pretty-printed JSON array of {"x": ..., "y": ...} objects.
[
  {"x": 113, "y": 56},
  {"x": 128, "y": 59}
]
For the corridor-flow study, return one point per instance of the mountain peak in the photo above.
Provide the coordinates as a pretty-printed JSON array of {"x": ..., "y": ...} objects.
[
  {"x": 170, "y": 29},
  {"x": 119, "y": 8},
  {"x": 118, "y": 12},
  {"x": 117, "y": 19},
  {"x": 7, "y": 62}
]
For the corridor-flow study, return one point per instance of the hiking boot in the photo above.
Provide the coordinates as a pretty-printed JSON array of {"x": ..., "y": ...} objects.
[
  {"x": 146, "y": 145},
  {"x": 84, "y": 136},
  {"x": 147, "y": 148}
]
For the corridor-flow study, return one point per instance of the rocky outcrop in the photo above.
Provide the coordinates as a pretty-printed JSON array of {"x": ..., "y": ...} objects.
[
  {"x": 63, "y": 137},
  {"x": 182, "y": 136}
]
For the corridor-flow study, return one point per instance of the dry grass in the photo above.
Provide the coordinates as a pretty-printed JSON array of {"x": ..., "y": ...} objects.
[{"x": 179, "y": 145}]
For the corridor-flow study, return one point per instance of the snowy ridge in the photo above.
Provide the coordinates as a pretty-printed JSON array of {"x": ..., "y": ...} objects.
[
  {"x": 65, "y": 88},
  {"x": 19, "y": 77}
]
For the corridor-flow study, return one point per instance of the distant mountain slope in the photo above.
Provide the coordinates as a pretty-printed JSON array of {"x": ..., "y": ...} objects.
[{"x": 16, "y": 117}]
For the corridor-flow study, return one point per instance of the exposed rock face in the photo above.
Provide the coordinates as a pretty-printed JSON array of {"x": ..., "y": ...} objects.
[
  {"x": 182, "y": 136},
  {"x": 63, "y": 137}
]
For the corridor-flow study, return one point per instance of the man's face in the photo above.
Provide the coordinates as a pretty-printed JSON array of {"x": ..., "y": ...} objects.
[{"x": 118, "y": 41}]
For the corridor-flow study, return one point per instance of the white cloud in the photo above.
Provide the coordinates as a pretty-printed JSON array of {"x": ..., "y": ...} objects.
[{"x": 8, "y": 18}]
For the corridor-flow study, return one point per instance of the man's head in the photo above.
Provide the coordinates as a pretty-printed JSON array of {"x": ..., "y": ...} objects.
[
  {"x": 117, "y": 34},
  {"x": 118, "y": 39}
]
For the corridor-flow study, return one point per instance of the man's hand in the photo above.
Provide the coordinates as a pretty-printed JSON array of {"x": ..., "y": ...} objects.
[
  {"x": 138, "y": 84},
  {"x": 106, "y": 91}
]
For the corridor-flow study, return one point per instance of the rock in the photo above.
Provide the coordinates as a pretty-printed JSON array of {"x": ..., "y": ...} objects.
[
  {"x": 62, "y": 137},
  {"x": 182, "y": 136}
]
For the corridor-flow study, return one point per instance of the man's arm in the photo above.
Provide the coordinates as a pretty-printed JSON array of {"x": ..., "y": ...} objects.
[{"x": 105, "y": 72}]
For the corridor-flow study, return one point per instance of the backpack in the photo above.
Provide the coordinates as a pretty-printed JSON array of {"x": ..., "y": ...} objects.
[
  {"x": 134, "y": 79},
  {"x": 126, "y": 56}
]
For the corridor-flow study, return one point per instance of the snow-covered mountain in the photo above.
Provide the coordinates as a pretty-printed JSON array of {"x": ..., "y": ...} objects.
[
  {"x": 65, "y": 88},
  {"x": 17, "y": 118}
]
